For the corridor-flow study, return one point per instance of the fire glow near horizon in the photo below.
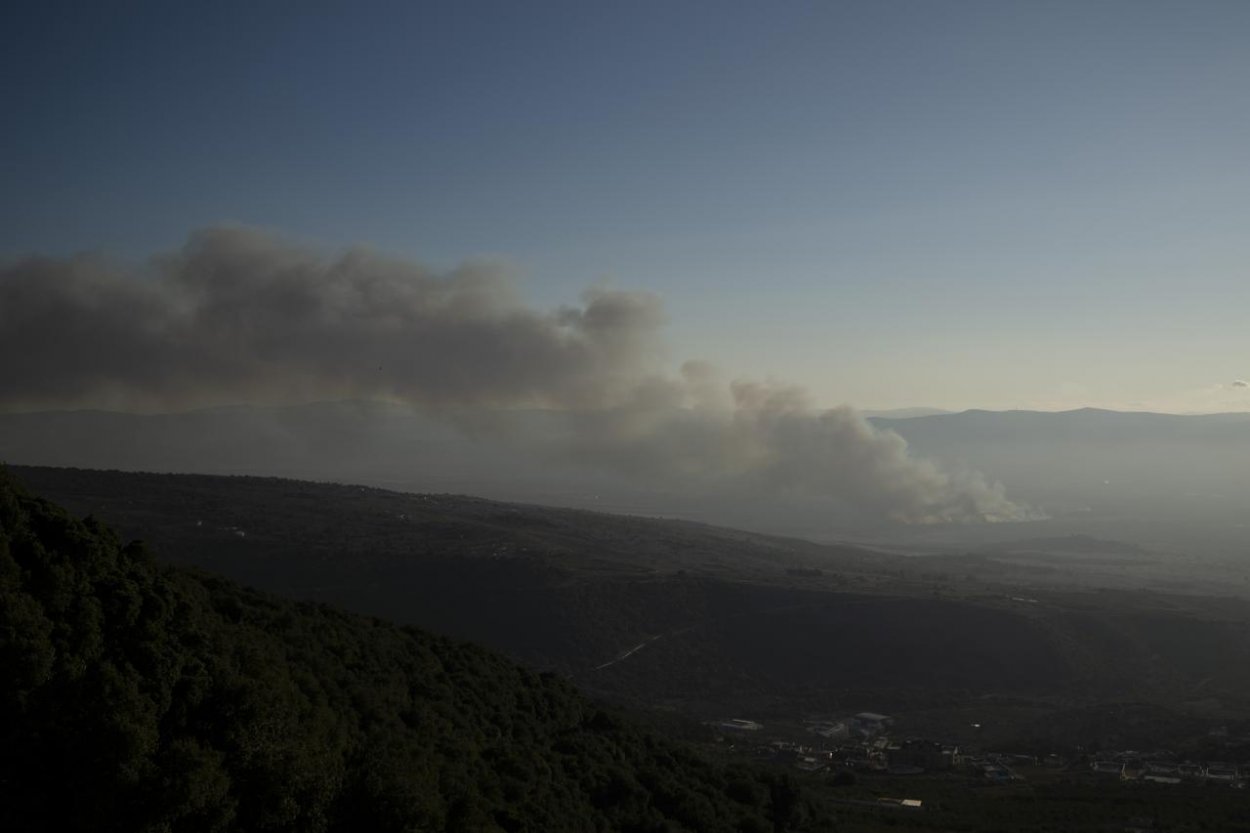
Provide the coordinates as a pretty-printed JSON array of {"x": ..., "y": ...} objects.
[{"x": 241, "y": 316}]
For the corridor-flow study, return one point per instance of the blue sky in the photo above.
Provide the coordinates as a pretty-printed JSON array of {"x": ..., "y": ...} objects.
[{"x": 957, "y": 204}]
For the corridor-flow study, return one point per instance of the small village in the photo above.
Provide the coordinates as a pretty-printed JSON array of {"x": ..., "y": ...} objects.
[{"x": 864, "y": 743}]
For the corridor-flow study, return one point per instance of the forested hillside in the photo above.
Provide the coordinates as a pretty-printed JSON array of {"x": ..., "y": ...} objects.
[
  {"x": 144, "y": 697},
  {"x": 730, "y": 623}
]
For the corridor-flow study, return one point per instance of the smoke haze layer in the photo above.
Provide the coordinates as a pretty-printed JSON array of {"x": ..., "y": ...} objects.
[{"x": 238, "y": 315}]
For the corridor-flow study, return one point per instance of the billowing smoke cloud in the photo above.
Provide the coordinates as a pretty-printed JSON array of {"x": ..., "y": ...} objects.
[
  {"x": 1241, "y": 383},
  {"x": 770, "y": 440},
  {"x": 238, "y": 315}
]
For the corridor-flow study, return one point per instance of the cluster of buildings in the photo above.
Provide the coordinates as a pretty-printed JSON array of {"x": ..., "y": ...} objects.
[
  {"x": 880, "y": 754},
  {"x": 857, "y": 742},
  {"x": 1162, "y": 769},
  {"x": 998, "y": 767},
  {"x": 863, "y": 742}
]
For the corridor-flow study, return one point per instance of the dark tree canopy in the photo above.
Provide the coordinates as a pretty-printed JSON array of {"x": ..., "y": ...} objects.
[{"x": 141, "y": 697}]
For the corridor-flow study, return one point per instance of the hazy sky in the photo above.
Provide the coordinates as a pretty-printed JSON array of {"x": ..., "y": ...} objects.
[{"x": 956, "y": 204}]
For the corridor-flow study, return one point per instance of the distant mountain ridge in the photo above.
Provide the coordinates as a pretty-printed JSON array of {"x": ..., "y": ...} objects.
[
  {"x": 1084, "y": 417},
  {"x": 903, "y": 413},
  {"x": 1166, "y": 482},
  {"x": 1176, "y": 482},
  {"x": 1054, "y": 460}
]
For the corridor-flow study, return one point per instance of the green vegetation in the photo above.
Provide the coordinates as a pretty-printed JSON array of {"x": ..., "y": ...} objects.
[
  {"x": 139, "y": 697},
  {"x": 142, "y": 697},
  {"x": 733, "y": 623}
]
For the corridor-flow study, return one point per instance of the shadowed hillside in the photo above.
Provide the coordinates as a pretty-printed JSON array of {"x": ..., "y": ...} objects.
[
  {"x": 705, "y": 620},
  {"x": 140, "y": 697}
]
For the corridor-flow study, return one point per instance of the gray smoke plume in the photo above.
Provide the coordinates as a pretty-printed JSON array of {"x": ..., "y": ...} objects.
[
  {"x": 770, "y": 440},
  {"x": 239, "y": 316}
]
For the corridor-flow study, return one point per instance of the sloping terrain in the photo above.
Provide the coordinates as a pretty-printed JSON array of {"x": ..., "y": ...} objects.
[
  {"x": 146, "y": 698},
  {"x": 706, "y": 620}
]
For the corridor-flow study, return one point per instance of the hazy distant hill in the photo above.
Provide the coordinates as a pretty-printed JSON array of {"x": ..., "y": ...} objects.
[
  {"x": 1085, "y": 424},
  {"x": 384, "y": 445},
  {"x": 319, "y": 440},
  {"x": 904, "y": 413},
  {"x": 1179, "y": 483},
  {"x": 1070, "y": 544}
]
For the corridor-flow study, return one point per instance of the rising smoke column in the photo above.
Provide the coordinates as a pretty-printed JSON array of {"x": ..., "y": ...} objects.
[
  {"x": 767, "y": 439},
  {"x": 240, "y": 316}
]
